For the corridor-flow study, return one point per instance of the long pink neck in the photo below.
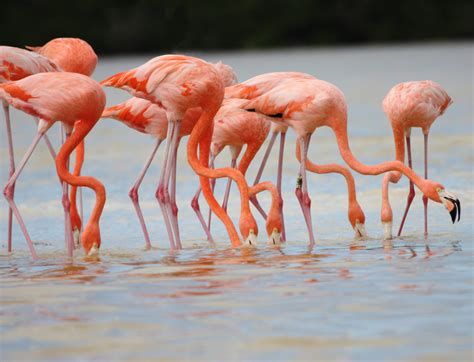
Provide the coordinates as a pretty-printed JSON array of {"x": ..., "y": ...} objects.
[
  {"x": 81, "y": 129},
  {"x": 340, "y": 130}
]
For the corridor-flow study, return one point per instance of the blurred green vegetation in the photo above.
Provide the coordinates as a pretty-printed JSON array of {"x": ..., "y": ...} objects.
[{"x": 124, "y": 26}]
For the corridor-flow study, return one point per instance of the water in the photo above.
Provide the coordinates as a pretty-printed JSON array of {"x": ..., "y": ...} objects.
[{"x": 346, "y": 299}]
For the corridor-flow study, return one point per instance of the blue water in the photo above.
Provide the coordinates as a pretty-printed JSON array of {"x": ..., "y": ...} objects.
[{"x": 406, "y": 299}]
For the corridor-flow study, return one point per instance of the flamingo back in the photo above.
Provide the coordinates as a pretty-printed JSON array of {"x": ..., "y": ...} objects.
[
  {"x": 71, "y": 54},
  {"x": 416, "y": 103},
  {"x": 59, "y": 96},
  {"x": 16, "y": 63},
  {"x": 141, "y": 115}
]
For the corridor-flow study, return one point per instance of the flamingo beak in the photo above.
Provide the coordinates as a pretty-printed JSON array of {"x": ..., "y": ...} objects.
[
  {"x": 359, "y": 229},
  {"x": 94, "y": 251},
  {"x": 452, "y": 204},
  {"x": 275, "y": 237},
  {"x": 76, "y": 236},
  {"x": 251, "y": 238}
]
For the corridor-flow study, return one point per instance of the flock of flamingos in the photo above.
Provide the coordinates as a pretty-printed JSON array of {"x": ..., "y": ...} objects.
[{"x": 176, "y": 96}]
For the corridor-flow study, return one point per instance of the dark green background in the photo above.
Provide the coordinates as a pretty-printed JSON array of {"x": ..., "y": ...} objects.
[{"x": 152, "y": 26}]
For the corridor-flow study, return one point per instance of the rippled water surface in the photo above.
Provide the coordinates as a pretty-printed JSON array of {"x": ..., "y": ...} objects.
[{"x": 410, "y": 298}]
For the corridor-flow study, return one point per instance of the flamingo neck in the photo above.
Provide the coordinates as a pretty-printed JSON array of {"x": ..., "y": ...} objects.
[
  {"x": 340, "y": 132},
  {"x": 81, "y": 129},
  {"x": 248, "y": 156}
]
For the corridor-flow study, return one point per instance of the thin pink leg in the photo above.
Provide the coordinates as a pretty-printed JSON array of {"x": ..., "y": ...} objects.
[
  {"x": 133, "y": 193},
  {"x": 425, "y": 199},
  {"x": 8, "y": 192},
  {"x": 302, "y": 190},
  {"x": 279, "y": 181},
  {"x": 11, "y": 156},
  {"x": 50, "y": 147},
  {"x": 67, "y": 212},
  {"x": 253, "y": 199},
  {"x": 228, "y": 186},
  {"x": 173, "y": 205},
  {"x": 411, "y": 194},
  {"x": 161, "y": 192},
  {"x": 197, "y": 210}
]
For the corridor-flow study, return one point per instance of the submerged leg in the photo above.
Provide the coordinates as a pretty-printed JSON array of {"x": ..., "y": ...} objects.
[
  {"x": 411, "y": 194},
  {"x": 11, "y": 157},
  {"x": 279, "y": 181},
  {"x": 133, "y": 193},
  {"x": 260, "y": 172},
  {"x": 302, "y": 190},
  {"x": 161, "y": 192},
  {"x": 9, "y": 187},
  {"x": 425, "y": 199}
]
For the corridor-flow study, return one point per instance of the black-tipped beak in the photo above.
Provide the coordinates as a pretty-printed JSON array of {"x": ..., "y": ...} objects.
[{"x": 456, "y": 211}]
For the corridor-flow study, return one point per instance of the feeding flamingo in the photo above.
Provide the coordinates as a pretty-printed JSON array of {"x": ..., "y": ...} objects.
[
  {"x": 407, "y": 105},
  {"x": 305, "y": 103},
  {"x": 180, "y": 83},
  {"x": 150, "y": 118},
  {"x": 234, "y": 127},
  {"x": 61, "y": 54},
  {"x": 77, "y": 101},
  {"x": 282, "y": 96}
]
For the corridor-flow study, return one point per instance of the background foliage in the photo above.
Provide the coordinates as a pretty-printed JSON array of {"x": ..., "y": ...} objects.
[{"x": 170, "y": 25}]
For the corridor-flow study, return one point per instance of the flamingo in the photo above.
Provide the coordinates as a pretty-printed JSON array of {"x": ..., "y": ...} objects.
[
  {"x": 180, "y": 83},
  {"x": 150, "y": 118},
  {"x": 235, "y": 127},
  {"x": 305, "y": 103},
  {"x": 407, "y": 105},
  {"x": 266, "y": 95},
  {"x": 77, "y": 101},
  {"x": 61, "y": 54}
]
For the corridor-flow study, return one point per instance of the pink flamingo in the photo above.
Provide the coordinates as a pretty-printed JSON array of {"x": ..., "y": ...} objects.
[
  {"x": 235, "y": 127},
  {"x": 77, "y": 101},
  {"x": 150, "y": 118},
  {"x": 305, "y": 103},
  {"x": 177, "y": 84},
  {"x": 294, "y": 109},
  {"x": 407, "y": 105},
  {"x": 62, "y": 54}
]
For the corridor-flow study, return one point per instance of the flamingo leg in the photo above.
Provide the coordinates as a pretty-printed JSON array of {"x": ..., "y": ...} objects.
[
  {"x": 50, "y": 147},
  {"x": 9, "y": 187},
  {"x": 411, "y": 194},
  {"x": 173, "y": 205},
  {"x": 253, "y": 199},
  {"x": 425, "y": 199},
  {"x": 133, "y": 194},
  {"x": 279, "y": 182},
  {"x": 302, "y": 190},
  {"x": 11, "y": 156},
  {"x": 228, "y": 186},
  {"x": 161, "y": 192},
  {"x": 197, "y": 209},
  {"x": 67, "y": 215}
]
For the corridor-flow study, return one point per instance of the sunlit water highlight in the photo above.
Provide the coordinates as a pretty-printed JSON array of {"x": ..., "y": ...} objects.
[{"x": 346, "y": 299}]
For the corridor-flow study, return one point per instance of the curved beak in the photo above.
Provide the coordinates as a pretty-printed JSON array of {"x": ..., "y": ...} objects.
[
  {"x": 451, "y": 203},
  {"x": 275, "y": 237},
  {"x": 251, "y": 238},
  {"x": 94, "y": 251},
  {"x": 359, "y": 229}
]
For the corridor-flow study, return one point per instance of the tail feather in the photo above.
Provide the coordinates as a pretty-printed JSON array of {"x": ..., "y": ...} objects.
[
  {"x": 119, "y": 80},
  {"x": 112, "y": 112}
]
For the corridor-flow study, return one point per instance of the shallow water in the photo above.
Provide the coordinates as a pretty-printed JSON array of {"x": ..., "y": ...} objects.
[{"x": 346, "y": 299}]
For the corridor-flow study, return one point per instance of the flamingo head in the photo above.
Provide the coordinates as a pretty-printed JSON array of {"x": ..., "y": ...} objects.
[
  {"x": 248, "y": 229},
  {"x": 357, "y": 219},
  {"x": 76, "y": 224},
  {"x": 274, "y": 225},
  {"x": 437, "y": 193},
  {"x": 91, "y": 240}
]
